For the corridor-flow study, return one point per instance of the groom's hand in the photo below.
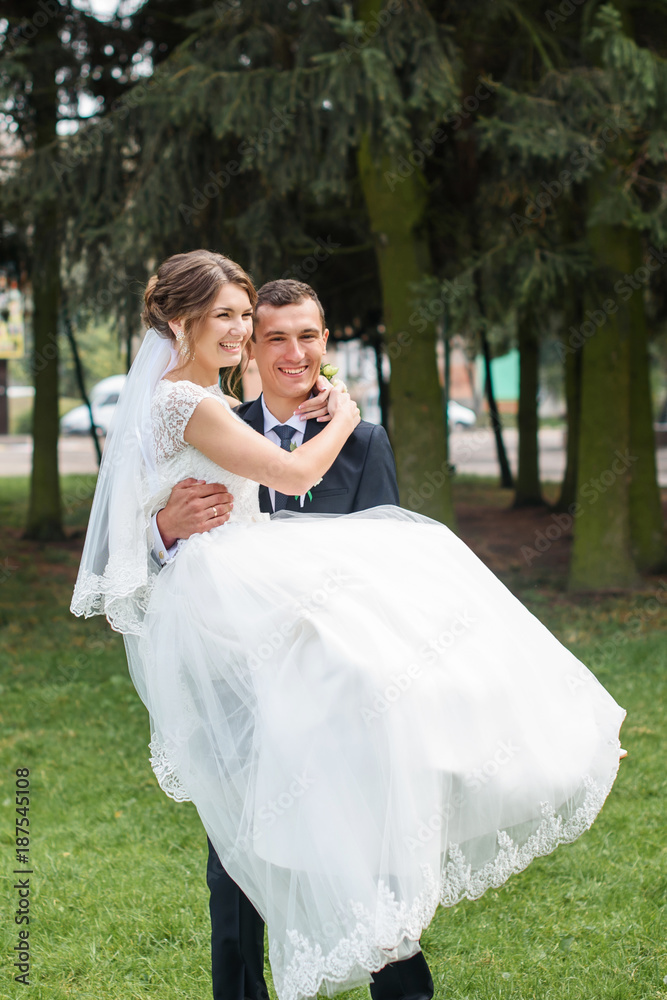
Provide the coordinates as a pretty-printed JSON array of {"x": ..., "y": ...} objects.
[{"x": 193, "y": 506}]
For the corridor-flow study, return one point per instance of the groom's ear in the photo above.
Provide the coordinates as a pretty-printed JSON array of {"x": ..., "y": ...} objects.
[{"x": 325, "y": 337}]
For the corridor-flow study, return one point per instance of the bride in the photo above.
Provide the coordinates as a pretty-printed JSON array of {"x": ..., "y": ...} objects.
[{"x": 367, "y": 721}]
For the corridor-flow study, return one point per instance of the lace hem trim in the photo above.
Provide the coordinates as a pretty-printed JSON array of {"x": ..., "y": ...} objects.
[
  {"x": 123, "y": 591},
  {"x": 124, "y": 611},
  {"x": 378, "y": 934},
  {"x": 165, "y": 771}
]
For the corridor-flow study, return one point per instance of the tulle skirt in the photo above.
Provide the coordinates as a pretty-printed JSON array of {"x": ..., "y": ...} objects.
[{"x": 369, "y": 724}]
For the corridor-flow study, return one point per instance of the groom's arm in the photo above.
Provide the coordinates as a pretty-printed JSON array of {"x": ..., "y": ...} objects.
[{"x": 194, "y": 506}]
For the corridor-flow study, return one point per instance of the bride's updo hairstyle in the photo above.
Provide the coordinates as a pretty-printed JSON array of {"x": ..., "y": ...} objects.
[{"x": 185, "y": 287}]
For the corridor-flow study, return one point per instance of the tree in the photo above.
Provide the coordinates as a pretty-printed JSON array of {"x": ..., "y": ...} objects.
[
  {"x": 603, "y": 525},
  {"x": 287, "y": 115},
  {"x": 528, "y": 492},
  {"x": 44, "y": 515},
  {"x": 588, "y": 135},
  {"x": 620, "y": 210},
  {"x": 49, "y": 60}
]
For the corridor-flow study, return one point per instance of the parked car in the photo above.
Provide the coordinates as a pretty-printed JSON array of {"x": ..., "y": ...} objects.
[
  {"x": 103, "y": 399},
  {"x": 460, "y": 416},
  {"x": 104, "y": 396}
]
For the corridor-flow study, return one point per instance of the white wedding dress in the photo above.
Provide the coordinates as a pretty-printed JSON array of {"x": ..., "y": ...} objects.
[{"x": 367, "y": 721}]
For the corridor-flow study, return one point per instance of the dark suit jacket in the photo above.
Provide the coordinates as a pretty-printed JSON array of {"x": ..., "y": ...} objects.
[{"x": 363, "y": 475}]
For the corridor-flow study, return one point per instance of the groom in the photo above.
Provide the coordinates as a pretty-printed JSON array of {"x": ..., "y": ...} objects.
[{"x": 288, "y": 344}]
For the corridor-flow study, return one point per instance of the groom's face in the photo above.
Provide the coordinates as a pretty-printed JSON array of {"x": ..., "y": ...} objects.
[{"x": 288, "y": 345}]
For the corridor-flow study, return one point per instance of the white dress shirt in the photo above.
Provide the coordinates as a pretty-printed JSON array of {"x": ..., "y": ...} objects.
[
  {"x": 269, "y": 423},
  {"x": 162, "y": 553}
]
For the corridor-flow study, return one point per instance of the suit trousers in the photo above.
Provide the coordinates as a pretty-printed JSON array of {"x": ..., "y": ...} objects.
[{"x": 237, "y": 949}]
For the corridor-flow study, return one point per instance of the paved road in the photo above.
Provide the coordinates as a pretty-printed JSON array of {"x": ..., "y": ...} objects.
[{"x": 472, "y": 452}]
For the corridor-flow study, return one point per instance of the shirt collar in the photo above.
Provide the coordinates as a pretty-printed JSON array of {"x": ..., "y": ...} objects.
[{"x": 270, "y": 421}]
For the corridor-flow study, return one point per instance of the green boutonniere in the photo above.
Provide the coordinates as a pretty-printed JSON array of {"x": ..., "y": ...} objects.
[{"x": 328, "y": 371}]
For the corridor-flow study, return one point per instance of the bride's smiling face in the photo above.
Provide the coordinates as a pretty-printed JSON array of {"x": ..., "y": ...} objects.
[{"x": 221, "y": 334}]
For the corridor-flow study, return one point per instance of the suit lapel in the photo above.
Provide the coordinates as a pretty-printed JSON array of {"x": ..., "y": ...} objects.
[
  {"x": 312, "y": 428},
  {"x": 254, "y": 416}
]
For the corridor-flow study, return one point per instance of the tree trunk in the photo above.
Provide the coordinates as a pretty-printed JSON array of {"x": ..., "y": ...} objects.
[
  {"x": 418, "y": 435},
  {"x": 383, "y": 388},
  {"x": 4, "y": 399},
  {"x": 80, "y": 380},
  {"x": 601, "y": 554},
  {"x": 572, "y": 359},
  {"x": 506, "y": 477},
  {"x": 44, "y": 511},
  {"x": 447, "y": 366},
  {"x": 646, "y": 523},
  {"x": 528, "y": 492}
]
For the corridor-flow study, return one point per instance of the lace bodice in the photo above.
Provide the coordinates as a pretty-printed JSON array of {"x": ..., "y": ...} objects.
[{"x": 172, "y": 406}]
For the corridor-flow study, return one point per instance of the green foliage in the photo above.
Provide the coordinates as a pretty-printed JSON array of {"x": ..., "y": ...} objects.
[
  {"x": 274, "y": 103},
  {"x": 637, "y": 74},
  {"x": 245, "y": 138}
]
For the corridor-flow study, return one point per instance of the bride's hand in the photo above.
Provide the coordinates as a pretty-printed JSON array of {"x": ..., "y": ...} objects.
[
  {"x": 342, "y": 406},
  {"x": 317, "y": 407}
]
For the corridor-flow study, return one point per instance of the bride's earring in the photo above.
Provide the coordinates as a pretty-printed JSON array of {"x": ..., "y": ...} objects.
[{"x": 183, "y": 348}]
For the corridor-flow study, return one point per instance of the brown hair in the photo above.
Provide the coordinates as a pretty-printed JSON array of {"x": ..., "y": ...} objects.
[
  {"x": 185, "y": 287},
  {"x": 287, "y": 292}
]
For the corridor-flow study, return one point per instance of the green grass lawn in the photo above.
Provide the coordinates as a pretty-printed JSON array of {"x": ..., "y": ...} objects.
[{"x": 119, "y": 905}]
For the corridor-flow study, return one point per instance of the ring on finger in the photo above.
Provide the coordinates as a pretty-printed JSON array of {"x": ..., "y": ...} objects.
[{"x": 215, "y": 512}]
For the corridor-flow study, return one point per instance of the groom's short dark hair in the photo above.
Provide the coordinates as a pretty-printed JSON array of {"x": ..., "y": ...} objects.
[{"x": 287, "y": 292}]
